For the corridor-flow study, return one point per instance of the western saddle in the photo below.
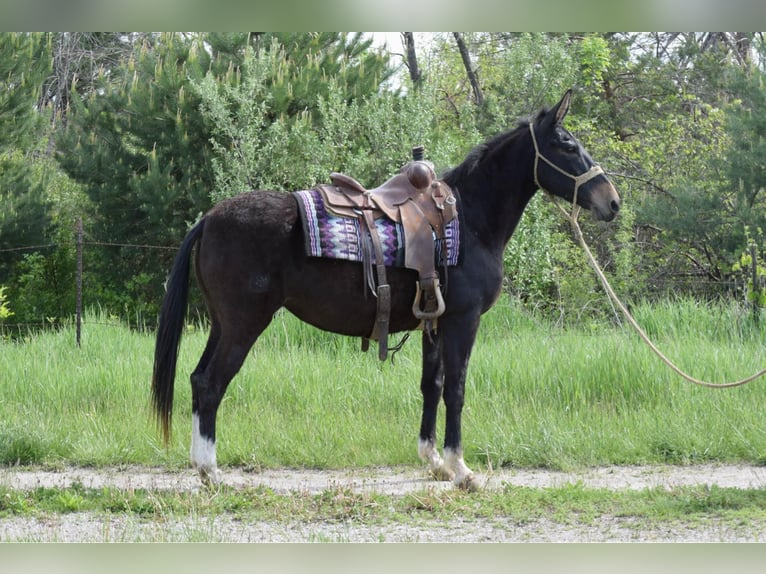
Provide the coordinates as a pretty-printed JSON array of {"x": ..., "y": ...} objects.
[{"x": 423, "y": 205}]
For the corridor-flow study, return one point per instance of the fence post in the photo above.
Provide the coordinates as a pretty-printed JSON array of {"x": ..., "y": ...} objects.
[{"x": 78, "y": 301}]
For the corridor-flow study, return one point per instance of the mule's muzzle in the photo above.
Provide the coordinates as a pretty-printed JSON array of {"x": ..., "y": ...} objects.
[{"x": 603, "y": 201}]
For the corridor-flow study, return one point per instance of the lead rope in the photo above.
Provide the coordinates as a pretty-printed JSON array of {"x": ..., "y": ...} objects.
[{"x": 572, "y": 217}]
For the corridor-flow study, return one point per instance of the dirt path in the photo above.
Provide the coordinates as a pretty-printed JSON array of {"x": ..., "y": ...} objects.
[
  {"x": 387, "y": 480},
  {"x": 393, "y": 481}
]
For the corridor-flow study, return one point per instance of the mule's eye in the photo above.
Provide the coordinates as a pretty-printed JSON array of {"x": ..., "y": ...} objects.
[{"x": 567, "y": 142}]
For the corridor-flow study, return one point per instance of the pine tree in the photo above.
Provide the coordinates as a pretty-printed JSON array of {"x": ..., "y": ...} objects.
[
  {"x": 744, "y": 197},
  {"x": 140, "y": 148},
  {"x": 24, "y": 63},
  {"x": 309, "y": 61}
]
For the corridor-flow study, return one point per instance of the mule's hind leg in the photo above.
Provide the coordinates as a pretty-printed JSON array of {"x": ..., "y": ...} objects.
[
  {"x": 431, "y": 382},
  {"x": 202, "y": 451},
  {"x": 226, "y": 351}
]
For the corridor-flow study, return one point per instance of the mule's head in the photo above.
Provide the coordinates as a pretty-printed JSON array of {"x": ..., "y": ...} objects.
[{"x": 564, "y": 168}]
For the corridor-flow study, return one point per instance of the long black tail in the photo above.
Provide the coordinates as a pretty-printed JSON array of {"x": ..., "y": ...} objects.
[{"x": 169, "y": 331}]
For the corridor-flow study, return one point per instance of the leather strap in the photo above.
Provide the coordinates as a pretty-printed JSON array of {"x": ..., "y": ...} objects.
[{"x": 382, "y": 292}]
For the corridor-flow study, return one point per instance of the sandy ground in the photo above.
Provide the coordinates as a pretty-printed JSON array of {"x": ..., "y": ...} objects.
[{"x": 82, "y": 527}]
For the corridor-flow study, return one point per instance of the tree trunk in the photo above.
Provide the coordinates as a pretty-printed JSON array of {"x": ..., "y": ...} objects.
[
  {"x": 412, "y": 58},
  {"x": 478, "y": 96}
]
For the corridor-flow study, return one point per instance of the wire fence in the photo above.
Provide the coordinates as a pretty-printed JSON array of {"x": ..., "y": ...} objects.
[
  {"x": 80, "y": 243},
  {"x": 658, "y": 287},
  {"x": 86, "y": 243}
]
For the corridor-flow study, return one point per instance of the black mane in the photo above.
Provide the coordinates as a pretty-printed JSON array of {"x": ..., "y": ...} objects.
[{"x": 479, "y": 153}]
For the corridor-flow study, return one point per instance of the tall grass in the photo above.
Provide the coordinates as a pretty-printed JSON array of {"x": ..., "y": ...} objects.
[{"x": 536, "y": 395}]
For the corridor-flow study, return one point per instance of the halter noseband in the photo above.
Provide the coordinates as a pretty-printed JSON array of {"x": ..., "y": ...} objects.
[{"x": 579, "y": 180}]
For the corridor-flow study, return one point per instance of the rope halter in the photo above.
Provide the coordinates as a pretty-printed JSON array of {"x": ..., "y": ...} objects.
[{"x": 595, "y": 170}]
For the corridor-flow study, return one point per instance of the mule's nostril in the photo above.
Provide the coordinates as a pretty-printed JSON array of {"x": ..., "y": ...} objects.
[{"x": 615, "y": 206}]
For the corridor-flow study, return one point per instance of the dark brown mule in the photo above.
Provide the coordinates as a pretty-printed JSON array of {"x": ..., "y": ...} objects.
[{"x": 250, "y": 261}]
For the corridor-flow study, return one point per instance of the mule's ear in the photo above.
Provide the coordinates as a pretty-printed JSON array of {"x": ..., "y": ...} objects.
[{"x": 562, "y": 108}]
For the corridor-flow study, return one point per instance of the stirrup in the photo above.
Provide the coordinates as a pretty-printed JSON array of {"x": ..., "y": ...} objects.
[{"x": 428, "y": 315}]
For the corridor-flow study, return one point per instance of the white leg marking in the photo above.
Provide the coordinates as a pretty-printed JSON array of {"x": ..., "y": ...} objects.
[
  {"x": 203, "y": 455},
  {"x": 429, "y": 454},
  {"x": 464, "y": 477}
]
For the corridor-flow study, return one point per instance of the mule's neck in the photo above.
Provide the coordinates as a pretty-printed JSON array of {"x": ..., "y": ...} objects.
[{"x": 496, "y": 189}]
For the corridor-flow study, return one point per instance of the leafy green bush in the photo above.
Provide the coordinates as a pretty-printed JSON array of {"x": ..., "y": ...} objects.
[{"x": 5, "y": 311}]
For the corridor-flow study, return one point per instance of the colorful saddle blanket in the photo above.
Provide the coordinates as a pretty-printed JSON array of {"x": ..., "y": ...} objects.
[{"x": 330, "y": 236}]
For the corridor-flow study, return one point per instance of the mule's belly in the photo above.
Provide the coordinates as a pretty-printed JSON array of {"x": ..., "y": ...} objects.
[{"x": 332, "y": 295}]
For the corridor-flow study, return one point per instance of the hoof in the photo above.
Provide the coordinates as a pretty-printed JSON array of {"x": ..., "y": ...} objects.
[
  {"x": 210, "y": 477},
  {"x": 469, "y": 484},
  {"x": 441, "y": 474}
]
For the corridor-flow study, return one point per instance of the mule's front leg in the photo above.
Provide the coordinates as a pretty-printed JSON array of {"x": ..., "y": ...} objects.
[
  {"x": 458, "y": 337},
  {"x": 431, "y": 383},
  {"x": 429, "y": 454},
  {"x": 463, "y": 476}
]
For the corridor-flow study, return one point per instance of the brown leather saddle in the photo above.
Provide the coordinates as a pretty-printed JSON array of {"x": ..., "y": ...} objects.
[{"x": 423, "y": 205}]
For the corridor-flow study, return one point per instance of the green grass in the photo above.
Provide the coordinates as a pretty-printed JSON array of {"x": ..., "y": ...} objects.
[
  {"x": 572, "y": 505},
  {"x": 536, "y": 396}
]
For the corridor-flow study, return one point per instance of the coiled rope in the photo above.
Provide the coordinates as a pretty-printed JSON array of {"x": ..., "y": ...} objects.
[{"x": 572, "y": 217}]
